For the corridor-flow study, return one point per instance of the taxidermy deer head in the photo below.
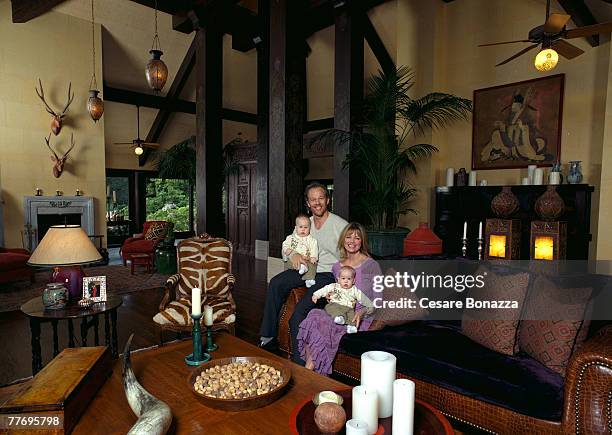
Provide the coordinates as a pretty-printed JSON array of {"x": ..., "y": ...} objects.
[
  {"x": 58, "y": 162},
  {"x": 56, "y": 123}
]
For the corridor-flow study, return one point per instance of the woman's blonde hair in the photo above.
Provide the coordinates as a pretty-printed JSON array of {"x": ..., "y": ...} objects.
[{"x": 353, "y": 227}]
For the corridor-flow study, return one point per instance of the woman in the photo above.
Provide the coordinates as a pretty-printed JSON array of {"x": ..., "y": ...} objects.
[{"x": 319, "y": 337}]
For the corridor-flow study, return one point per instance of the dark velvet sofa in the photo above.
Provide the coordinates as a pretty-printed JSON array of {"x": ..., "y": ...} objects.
[
  {"x": 490, "y": 391},
  {"x": 13, "y": 265}
]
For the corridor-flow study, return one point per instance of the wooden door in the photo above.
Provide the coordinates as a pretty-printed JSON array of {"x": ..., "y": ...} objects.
[{"x": 240, "y": 207}]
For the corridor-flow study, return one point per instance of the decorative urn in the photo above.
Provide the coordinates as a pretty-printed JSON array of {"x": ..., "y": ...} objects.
[
  {"x": 504, "y": 203},
  {"x": 550, "y": 205}
]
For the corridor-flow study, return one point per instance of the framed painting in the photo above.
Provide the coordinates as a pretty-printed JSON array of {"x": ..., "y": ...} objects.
[
  {"x": 94, "y": 287},
  {"x": 518, "y": 124}
]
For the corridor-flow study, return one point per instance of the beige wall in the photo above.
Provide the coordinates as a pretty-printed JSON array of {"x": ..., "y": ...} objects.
[{"x": 56, "y": 48}]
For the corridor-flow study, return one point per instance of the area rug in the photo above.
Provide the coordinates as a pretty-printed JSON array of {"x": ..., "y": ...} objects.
[{"x": 118, "y": 281}]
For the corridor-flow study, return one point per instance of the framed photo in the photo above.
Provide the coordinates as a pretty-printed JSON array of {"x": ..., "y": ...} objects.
[
  {"x": 94, "y": 287},
  {"x": 518, "y": 124}
]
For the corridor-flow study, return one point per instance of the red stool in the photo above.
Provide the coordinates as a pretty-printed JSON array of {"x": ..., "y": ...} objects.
[{"x": 141, "y": 260}]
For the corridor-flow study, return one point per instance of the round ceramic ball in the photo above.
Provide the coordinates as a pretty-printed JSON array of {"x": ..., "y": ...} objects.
[{"x": 330, "y": 417}]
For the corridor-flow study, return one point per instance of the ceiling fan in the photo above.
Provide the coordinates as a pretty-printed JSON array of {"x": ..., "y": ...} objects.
[
  {"x": 138, "y": 144},
  {"x": 551, "y": 36}
]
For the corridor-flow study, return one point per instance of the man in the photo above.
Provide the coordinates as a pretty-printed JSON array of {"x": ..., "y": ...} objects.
[{"x": 325, "y": 228}]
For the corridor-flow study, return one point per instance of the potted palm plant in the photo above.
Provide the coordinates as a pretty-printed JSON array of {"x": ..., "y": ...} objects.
[{"x": 388, "y": 118}]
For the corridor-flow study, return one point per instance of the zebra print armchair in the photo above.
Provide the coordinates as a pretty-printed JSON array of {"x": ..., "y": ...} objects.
[{"x": 204, "y": 262}]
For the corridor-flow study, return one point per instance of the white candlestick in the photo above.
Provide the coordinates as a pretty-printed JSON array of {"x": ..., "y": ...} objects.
[
  {"x": 365, "y": 407},
  {"x": 538, "y": 177},
  {"x": 465, "y": 230},
  {"x": 108, "y": 191},
  {"x": 450, "y": 177},
  {"x": 473, "y": 176},
  {"x": 378, "y": 372},
  {"x": 208, "y": 315},
  {"x": 480, "y": 230},
  {"x": 356, "y": 427},
  {"x": 403, "y": 407},
  {"x": 114, "y": 196},
  {"x": 196, "y": 308}
]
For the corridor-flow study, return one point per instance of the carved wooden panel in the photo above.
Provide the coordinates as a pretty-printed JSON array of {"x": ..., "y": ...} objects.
[{"x": 240, "y": 210}]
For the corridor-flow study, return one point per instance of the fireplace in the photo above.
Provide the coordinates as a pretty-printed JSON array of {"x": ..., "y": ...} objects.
[{"x": 40, "y": 212}]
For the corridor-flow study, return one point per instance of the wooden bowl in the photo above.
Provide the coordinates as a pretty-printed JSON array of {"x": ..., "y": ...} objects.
[{"x": 241, "y": 404}]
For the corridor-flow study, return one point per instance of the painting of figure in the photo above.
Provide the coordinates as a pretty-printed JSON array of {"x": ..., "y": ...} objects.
[{"x": 519, "y": 124}]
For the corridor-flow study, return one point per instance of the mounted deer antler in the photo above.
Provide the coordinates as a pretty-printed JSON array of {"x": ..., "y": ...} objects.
[
  {"x": 56, "y": 123},
  {"x": 58, "y": 162}
]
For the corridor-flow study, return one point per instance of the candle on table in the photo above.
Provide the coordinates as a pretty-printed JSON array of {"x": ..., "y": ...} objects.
[
  {"x": 480, "y": 230},
  {"x": 108, "y": 191},
  {"x": 538, "y": 177},
  {"x": 465, "y": 230},
  {"x": 403, "y": 407},
  {"x": 208, "y": 315},
  {"x": 356, "y": 427},
  {"x": 531, "y": 172},
  {"x": 450, "y": 177},
  {"x": 114, "y": 196},
  {"x": 473, "y": 176},
  {"x": 196, "y": 309},
  {"x": 365, "y": 407},
  {"x": 378, "y": 372},
  {"x": 554, "y": 178},
  {"x": 525, "y": 181}
]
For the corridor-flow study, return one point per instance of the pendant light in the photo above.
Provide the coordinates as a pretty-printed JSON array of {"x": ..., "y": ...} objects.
[
  {"x": 156, "y": 71},
  {"x": 95, "y": 105}
]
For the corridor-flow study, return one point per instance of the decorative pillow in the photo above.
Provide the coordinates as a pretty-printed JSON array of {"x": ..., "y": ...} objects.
[
  {"x": 157, "y": 230},
  {"x": 556, "y": 323},
  {"x": 396, "y": 316},
  {"x": 496, "y": 328}
]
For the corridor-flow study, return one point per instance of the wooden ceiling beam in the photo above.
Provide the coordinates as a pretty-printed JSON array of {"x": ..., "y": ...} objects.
[
  {"x": 26, "y": 10},
  {"x": 377, "y": 45},
  {"x": 582, "y": 16},
  {"x": 147, "y": 100}
]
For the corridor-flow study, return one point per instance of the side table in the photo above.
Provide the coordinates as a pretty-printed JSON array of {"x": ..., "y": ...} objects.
[
  {"x": 141, "y": 260},
  {"x": 37, "y": 314}
]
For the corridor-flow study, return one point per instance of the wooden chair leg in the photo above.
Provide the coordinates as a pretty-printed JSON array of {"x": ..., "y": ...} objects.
[{"x": 161, "y": 336}]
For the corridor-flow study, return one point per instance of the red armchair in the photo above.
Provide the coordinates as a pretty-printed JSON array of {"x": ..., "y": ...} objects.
[
  {"x": 147, "y": 241},
  {"x": 13, "y": 265}
]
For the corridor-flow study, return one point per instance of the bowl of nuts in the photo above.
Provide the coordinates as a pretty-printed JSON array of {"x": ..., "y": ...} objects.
[{"x": 239, "y": 383}]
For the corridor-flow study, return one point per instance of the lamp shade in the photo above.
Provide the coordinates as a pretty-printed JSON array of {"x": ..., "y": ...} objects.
[{"x": 64, "y": 245}]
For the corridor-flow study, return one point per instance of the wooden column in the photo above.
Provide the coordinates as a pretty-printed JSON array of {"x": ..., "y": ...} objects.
[
  {"x": 286, "y": 121},
  {"x": 263, "y": 131},
  {"x": 209, "y": 169},
  {"x": 348, "y": 94}
]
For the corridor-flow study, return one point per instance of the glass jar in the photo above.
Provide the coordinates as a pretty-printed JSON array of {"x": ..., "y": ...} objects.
[{"x": 55, "y": 296}]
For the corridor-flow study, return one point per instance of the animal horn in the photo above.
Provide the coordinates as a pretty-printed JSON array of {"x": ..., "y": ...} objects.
[
  {"x": 71, "y": 146},
  {"x": 69, "y": 101},
  {"x": 41, "y": 95},
  {"x": 47, "y": 139},
  {"x": 154, "y": 416}
]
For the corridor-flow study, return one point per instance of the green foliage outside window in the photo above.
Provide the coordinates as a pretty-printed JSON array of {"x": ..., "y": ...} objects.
[{"x": 170, "y": 203}]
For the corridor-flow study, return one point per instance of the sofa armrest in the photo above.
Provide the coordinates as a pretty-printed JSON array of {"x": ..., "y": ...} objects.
[
  {"x": 169, "y": 291},
  {"x": 588, "y": 387},
  {"x": 284, "y": 336}
]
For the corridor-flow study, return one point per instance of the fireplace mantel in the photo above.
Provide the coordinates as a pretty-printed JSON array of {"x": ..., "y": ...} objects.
[{"x": 57, "y": 205}]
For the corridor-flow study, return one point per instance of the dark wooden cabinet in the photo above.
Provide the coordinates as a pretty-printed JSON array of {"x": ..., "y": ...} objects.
[{"x": 455, "y": 205}]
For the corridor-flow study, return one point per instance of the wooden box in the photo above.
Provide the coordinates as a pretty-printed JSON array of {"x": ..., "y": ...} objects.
[{"x": 64, "y": 388}]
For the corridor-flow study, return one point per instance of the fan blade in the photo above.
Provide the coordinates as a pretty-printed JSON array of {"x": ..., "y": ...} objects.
[
  {"x": 520, "y": 53},
  {"x": 567, "y": 50},
  {"x": 151, "y": 144},
  {"x": 502, "y": 43},
  {"x": 555, "y": 23},
  {"x": 588, "y": 30},
  {"x": 123, "y": 143}
]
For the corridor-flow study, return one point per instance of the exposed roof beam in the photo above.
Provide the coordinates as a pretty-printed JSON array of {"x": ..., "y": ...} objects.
[
  {"x": 147, "y": 100},
  {"x": 320, "y": 124},
  {"x": 582, "y": 16},
  {"x": 321, "y": 13},
  {"x": 174, "y": 92},
  {"x": 377, "y": 45},
  {"x": 26, "y": 10}
]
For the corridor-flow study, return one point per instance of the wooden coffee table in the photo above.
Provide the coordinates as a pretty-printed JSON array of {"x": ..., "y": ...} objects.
[{"x": 164, "y": 374}]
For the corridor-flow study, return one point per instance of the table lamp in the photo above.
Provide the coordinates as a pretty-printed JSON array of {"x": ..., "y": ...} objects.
[{"x": 69, "y": 247}]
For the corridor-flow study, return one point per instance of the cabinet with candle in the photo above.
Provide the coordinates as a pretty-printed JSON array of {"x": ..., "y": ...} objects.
[{"x": 456, "y": 206}]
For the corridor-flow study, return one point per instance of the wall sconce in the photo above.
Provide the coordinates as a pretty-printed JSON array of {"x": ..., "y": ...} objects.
[{"x": 503, "y": 239}]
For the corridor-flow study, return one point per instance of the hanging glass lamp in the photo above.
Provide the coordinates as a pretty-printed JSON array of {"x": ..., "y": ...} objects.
[
  {"x": 156, "y": 70},
  {"x": 95, "y": 105}
]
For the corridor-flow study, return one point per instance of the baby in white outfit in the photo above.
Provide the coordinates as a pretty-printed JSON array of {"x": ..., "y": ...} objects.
[{"x": 303, "y": 243}]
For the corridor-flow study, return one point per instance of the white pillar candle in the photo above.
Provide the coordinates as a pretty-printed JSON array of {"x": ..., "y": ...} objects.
[
  {"x": 378, "y": 372},
  {"x": 403, "y": 407},
  {"x": 195, "y": 301},
  {"x": 365, "y": 407},
  {"x": 450, "y": 177},
  {"x": 472, "y": 181},
  {"x": 465, "y": 230},
  {"x": 208, "y": 315},
  {"x": 525, "y": 181},
  {"x": 108, "y": 191},
  {"x": 114, "y": 196},
  {"x": 480, "y": 230},
  {"x": 531, "y": 172},
  {"x": 356, "y": 427},
  {"x": 538, "y": 177},
  {"x": 554, "y": 178}
]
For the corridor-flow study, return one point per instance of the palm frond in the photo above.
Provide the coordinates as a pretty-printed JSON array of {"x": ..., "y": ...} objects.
[
  {"x": 435, "y": 110},
  {"x": 178, "y": 162}
]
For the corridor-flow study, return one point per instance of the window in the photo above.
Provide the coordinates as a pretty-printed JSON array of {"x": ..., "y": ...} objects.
[
  {"x": 118, "y": 217},
  {"x": 168, "y": 200}
]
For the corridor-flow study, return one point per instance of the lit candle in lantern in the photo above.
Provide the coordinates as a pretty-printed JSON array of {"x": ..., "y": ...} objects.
[
  {"x": 544, "y": 248},
  {"x": 208, "y": 315},
  {"x": 196, "y": 308},
  {"x": 497, "y": 246}
]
